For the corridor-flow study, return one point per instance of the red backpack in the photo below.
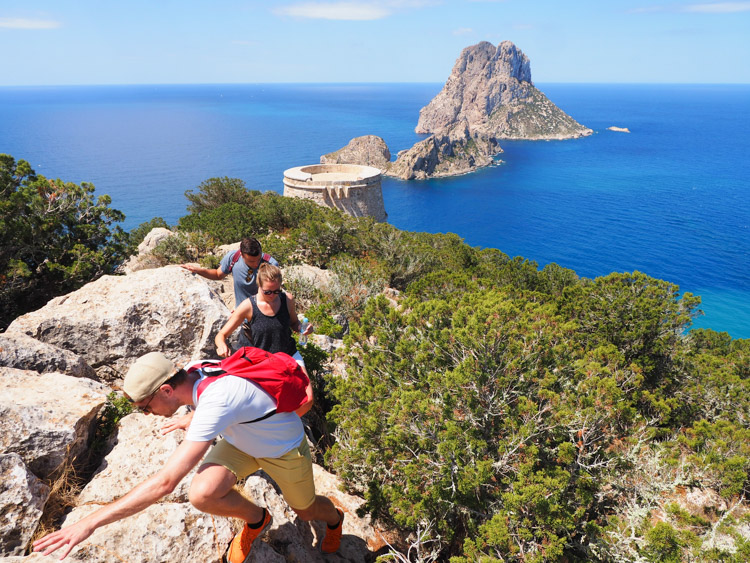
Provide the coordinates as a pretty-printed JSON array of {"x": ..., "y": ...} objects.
[{"x": 278, "y": 374}]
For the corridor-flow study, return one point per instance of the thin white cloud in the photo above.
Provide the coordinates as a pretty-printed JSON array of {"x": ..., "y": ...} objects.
[
  {"x": 352, "y": 11},
  {"x": 22, "y": 23},
  {"x": 646, "y": 10},
  {"x": 463, "y": 31},
  {"x": 719, "y": 8}
]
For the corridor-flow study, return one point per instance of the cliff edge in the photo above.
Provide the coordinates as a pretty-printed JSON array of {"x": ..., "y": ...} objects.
[{"x": 490, "y": 89}]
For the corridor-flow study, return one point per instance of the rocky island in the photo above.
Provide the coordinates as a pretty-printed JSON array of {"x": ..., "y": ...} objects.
[
  {"x": 489, "y": 96},
  {"x": 490, "y": 89}
]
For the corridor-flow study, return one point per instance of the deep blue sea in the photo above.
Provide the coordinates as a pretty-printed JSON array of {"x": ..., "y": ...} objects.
[{"x": 671, "y": 199}]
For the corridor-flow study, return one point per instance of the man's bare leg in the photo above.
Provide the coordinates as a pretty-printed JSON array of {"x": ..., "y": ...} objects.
[
  {"x": 212, "y": 491},
  {"x": 321, "y": 509}
]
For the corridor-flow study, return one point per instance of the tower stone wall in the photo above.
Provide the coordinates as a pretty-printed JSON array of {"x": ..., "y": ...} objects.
[{"x": 351, "y": 188}]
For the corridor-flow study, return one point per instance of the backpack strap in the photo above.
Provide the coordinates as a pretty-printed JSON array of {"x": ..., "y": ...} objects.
[
  {"x": 265, "y": 257},
  {"x": 235, "y": 257},
  {"x": 265, "y": 416}
]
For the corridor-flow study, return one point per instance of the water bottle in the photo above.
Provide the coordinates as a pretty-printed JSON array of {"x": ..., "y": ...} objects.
[{"x": 302, "y": 328}]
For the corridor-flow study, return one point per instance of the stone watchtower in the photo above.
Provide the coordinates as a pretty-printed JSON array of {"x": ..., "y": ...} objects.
[{"x": 351, "y": 188}]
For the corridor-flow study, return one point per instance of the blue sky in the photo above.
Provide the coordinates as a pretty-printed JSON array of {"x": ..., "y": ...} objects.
[{"x": 51, "y": 42}]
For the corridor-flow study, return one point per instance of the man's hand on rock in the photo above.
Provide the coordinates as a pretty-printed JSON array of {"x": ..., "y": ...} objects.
[
  {"x": 67, "y": 539},
  {"x": 181, "y": 423}
]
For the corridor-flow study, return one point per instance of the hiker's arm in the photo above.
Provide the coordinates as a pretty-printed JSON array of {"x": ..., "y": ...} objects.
[
  {"x": 210, "y": 274},
  {"x": 185, "y": 457},
  {"x": 310, "y": 399},
  {"x": 294, "y": 321},
  {"x": 242, "y": 312}
]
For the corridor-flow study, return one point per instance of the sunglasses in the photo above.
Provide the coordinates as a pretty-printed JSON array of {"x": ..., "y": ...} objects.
[
  {"x": 145, "y": 409},
  {"x": 271, "y": 291}
]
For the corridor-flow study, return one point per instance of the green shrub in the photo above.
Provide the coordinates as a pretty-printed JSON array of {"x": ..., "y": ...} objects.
[
  {"x": 319, "y": 316},
  {"x": 185, "y": 247},
  {"x": 356, "y": 281},
  {"x": 664, "y": 544},
  {"x": 215, "y": 192},
  {"x": 116, "y": 407},
  {"x": 55, "y": 236}
]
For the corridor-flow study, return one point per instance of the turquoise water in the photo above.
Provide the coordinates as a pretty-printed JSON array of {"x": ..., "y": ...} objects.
[{"x": 670, "y": 199}]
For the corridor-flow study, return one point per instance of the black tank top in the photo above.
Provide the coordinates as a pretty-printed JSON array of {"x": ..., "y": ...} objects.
[{"x": 272, "y": 334}]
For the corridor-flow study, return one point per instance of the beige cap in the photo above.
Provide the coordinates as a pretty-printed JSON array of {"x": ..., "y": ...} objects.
[{"x": 147, "y": 374}]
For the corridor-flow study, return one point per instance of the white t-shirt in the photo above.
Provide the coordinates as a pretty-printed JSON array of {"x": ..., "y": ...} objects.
[{"x": 229, "y": 402}]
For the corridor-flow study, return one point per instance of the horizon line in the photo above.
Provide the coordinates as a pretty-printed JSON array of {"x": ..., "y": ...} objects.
[{"x": 290, "y": 83}]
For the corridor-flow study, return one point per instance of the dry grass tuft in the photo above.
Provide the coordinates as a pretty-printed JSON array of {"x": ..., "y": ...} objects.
[{"x": 65, "y": 485}]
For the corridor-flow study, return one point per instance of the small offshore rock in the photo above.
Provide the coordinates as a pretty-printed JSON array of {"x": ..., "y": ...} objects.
[{"x": 368, "y": 150}]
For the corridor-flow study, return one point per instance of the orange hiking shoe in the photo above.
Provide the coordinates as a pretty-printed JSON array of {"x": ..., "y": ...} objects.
[
  {"x": 332, "y": 541},
  {"x": 239, "y": 548}
]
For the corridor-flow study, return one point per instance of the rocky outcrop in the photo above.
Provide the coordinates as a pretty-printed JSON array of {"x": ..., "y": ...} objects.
[
  {"x": 161, "y": 532},
  {"x": 47, "y": 418},
  {"x": 20, "y": 351},
  {"x": 619, "y": 129},
  {"x": 145, "y": 259},
  {"x": 153, "y": 238},
  {"x": 22, "y": 498},
  {"x": 173, "y": 530},
  {"x": 490, "y": 88},
  {"x": 368, "y": 150},
  {"x": 449, "y": 153},
  {"x": 121, "y": 470},
  {"x": 452, "y": 151},
  {"x": 115, "y": 319}
]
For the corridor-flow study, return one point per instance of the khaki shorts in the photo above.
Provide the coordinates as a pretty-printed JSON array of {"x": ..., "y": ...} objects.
[{"x": 292, "y": 472}]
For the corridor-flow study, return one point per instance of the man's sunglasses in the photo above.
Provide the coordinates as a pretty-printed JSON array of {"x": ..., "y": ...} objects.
[
  {"x": 146, "y": 409},
  {"x": 271, "y": 291}
]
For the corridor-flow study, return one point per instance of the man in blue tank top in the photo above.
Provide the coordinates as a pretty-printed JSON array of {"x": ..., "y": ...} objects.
[{"x": 243, "y": 264}]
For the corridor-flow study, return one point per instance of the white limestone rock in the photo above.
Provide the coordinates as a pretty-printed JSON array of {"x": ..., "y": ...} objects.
[
  {"x": 145, "y": 258},
  {"x": 32, "y": 558},
  {"x": 47, "y": 419},
  {"x": 22, "y": 499},
  {"x": 312, "y": 275},
  {"x": 163, "y": 532},
  {"x": 20, "y": 351},
  {"x": 112, "y": 321},
  {"x": 153, "y": 238},
  {"x": 140, "y": 450}
]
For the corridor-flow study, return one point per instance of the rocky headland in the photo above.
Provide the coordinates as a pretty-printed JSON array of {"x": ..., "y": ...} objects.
[{"x": 489, "y": 96}]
